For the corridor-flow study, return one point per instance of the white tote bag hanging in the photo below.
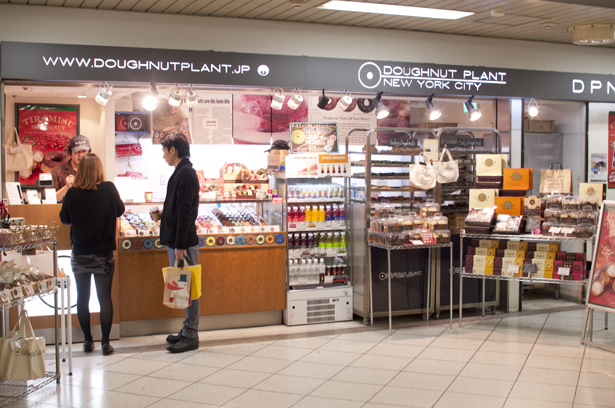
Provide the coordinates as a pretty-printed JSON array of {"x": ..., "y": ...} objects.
[
  {"x": 422, "y": 176},
  {"x": 446, "y": 172}
]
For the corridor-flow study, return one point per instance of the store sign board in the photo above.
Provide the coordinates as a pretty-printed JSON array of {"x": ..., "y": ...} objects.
[
  {"x": 63, "y": 62},
  {"x": 313, "y": 138}
]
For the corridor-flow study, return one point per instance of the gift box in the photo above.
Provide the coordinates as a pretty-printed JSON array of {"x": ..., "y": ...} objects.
[
  {"x": 488, "y": 164},
  {"x": 513, "y": 245},
  {"x": 531, "y": 206},
  {"x": 471, "y": 251},
  {"x": 469, "y": 260},
  {"x": 518, "y": 179},
  {"x": 501, "y": 253},
  {"x": 483, "y": 261},
  {"x": 549, "y": 265},
  {"x": 548, "y": 275},
  {"x": 560, "y": 256},
  {"x": 530, "y": 254},
  {"x": 578, "y": 267},
  {"x": 592, "y": 190},
  {"x": 482, "y": 198},
  {"x": 503, "y": 244},
  {"x": 580, "y": 256},
  {"x": 540, "y": 255},
  {"x": 540, "y": 263},
  {"x": 531, "y": 246},
  {"x": 512, "y": 193},
  {"x": 512, "y": 253},
  {"x": 497, "y": 262}
]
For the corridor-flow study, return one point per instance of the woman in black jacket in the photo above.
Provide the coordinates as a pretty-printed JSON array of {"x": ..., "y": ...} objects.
[{"x": 92, "y": 206}]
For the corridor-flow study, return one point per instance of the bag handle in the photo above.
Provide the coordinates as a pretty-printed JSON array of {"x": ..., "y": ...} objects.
[
  {"x": 24, "y": 324},
  {"x": 450, "y": 157},
  {"x": 16, "y": 142},
  {"x": 427, "y": 162},
  {"x": 561, "y": 167},
  {"x": 179, "y": 264}
]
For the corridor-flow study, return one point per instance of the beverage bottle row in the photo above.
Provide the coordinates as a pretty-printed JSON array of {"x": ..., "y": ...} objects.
[
  {"x": 315, "y": 191},
  {"x": 320, "y": 240},
  {"x": 312, "y": 271},
  {"x": 316, "y": 213}
]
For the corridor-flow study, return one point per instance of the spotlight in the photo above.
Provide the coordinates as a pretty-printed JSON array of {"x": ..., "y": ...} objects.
[
  {"x": 433, "y": 111},
  {"x": 175, "y": 98},
  {"x": 104, "y": 94},
  {"x": 345, "y": 100},
  {"x": 151, "y": 100},
  {"x": 323, "y": 101},
  {"x": 278, "y": 99},
  {"x": 192, "y": 99},
  {"x": 473, "y": 113},
  {"x": 296, "y": 100},
  {"x": 532, "y": 108},
  {"x": 381, "y": 110}
]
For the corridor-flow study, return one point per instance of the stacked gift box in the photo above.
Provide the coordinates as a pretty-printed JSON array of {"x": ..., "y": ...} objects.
[{"x": 491, "y": 257}]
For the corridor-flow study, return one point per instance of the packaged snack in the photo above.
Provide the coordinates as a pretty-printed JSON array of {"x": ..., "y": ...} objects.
[
  {"x": 568, "y": 217},
  {"x": 585, "y": 231},
  {"x": 418, "y": 223},
  {"x": 384, "y": 210},
  {"x": 531, "y": 206},
  {"x": 589, "y": 203},
  {"x": 554, "y": 201},
  {"x": 407, "y": 221},
  {"x": 570, "y": 203},
  {"x": 393, "y": 225},
  {"x": 546, "y": 229},
  {"x": 438, "y": 222},
  {"x": 553, "y": 215},
  {"x": 589, "y": 217},
  {"x": 480, "y": 217},
  {"x": 532, "y": 223},
  {"x": 508, "y": 224},
  {"x": 442, "y": 236},
  {"x": 429, "y": 209},
  {"x": 394, "y": 239}
]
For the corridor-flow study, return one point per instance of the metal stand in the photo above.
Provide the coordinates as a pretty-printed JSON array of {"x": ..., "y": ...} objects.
[{"x": 389, "y": 248}]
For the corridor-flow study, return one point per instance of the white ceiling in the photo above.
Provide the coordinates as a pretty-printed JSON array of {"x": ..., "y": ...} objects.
[{"x": 524, "y": 19}]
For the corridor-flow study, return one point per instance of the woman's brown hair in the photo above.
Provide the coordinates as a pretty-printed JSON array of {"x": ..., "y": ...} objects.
[{"x": 89, "y": 172}]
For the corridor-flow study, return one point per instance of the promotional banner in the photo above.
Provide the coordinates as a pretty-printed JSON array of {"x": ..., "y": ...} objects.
[
  {"x": 313, "y": 138},
  {"x": 48, "y": 128},
  {"x": 598, "y": 167},
  {"x": 601, "y": 291},
  {"x": 611, "y": 157}
]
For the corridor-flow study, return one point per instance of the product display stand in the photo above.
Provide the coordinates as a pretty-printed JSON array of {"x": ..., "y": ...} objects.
[
  {"x": 12, "y": 391},
  {"x": 66, "y": 322},
  {"x": 530, "y": 238},
  {"x": 390, "y": 248}
]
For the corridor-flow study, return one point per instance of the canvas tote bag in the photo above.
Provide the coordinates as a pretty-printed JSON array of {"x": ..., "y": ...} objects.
[
  {"x": 422, "y": 176},
  {"x": 446, "y": 172},
  {"x": 18, "y": 156},
  {"x": 552, "y": 180},
  {"x": 22, "y": 353}
]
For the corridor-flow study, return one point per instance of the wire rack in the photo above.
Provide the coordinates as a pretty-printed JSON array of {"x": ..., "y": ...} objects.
[
  {"x": 398, "y": 247},
  {"x": 524, "y": 237},
  {"x": 13, "y": 391},
  {"x": 525, "y": 279},
  {"x": 28, "y": 298}
]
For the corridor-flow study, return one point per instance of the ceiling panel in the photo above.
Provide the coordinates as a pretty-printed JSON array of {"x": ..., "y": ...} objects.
[{"x": 523, "y": 20}]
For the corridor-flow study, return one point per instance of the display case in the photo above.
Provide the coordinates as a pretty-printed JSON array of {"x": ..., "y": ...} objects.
[{"x": 380, "y": 175}]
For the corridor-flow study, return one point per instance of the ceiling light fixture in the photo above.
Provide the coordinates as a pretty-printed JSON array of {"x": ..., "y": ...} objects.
[
  {"x": 104, "y": 93},
  {"x": 381, "y": 110},
  {"x": 432, "y": 110},
  {"x": 192, "y": 99},
  {"x": 151, "y": 100},
  {"x": 176, "y": 97},
  {"x": 498, "y": 12},
  {"x": 323, "y": 101},
  {"x": 407, "y": 11},
  {"x": 473, "y": 112},
  {"x": 593, "y": 34},
  {"x": 297, "y": 4},
  {"x": 532, "y": 108},
  {"x": 278, "y": 99},
  {"x": 296, "y": 99},
  {"x": 345, "y": 100}
]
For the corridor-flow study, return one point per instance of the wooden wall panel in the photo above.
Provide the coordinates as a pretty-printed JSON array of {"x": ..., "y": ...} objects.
[{"x": 44, "y": 214}]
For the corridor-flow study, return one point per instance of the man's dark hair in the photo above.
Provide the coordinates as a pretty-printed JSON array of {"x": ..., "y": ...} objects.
[{"x": 179, "y": 142}]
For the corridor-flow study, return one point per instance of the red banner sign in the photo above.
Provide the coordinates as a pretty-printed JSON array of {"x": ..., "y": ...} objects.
[{"x": 610, "y": 157}]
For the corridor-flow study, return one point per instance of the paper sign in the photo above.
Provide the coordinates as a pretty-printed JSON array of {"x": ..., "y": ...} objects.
[
  {"x": 14, "y": 193},
  {"x": 32, "y": 197},
  {"x": 417, "y": 242},
  {"x": 511, "y": 271},
  {"x": 567, "y": 231},
  {"x": 50, "y": 196},
  {"x": 427, "y": 238},
  {"x": 555, "y": 230},
  {"x": 329, "y": 279},
  {"x": 277, "y": 200},
  {"x": 563, "y": 271}
]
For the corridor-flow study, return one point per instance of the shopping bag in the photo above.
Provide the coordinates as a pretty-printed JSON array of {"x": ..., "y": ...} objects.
[
  {"x": 422, "y": 176},
  {"x": 552, "y": 180},
  {"x": 181, "y": 285},
  {"x": 19, "y": 156},
  {"x": 446, "y": 172},
  {"x": 128, "y": 150},
  {"x": 22, "y": 353}
]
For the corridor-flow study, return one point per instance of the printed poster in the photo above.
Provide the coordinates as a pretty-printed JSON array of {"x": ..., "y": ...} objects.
[
  {"x": 611, "y": 156},
  {"x": 598, "y": 167},
  {"x": 48, "y": 128},
  {"x": 601, "y": 291},
  {"x": 358, "y": 115},
  {"x": 313, "y": 138},
  {"x": 211, "y": 120}
]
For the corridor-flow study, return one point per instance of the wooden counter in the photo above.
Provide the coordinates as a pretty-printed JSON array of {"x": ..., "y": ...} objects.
[
  {"x": 44, "y": 214},
  {"x": 237, "y": 280}
]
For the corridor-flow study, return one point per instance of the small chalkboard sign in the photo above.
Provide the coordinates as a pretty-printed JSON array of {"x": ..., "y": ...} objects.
[
  {"x": 530, "y": 268},
  {"x": 466, "y": 142},
  {"x": 402, "y": 142}
]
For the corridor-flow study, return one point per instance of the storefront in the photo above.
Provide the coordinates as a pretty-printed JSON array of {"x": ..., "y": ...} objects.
[{"x": 216, "y": 76}]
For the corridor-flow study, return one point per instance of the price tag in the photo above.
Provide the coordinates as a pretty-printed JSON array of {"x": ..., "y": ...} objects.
[
  {"x": 563, "y": 271},
  {"x": 301, "y": 225},
  {"x": 417, "y": 242},
  {"x": 555, "y": 230},
  {"x": 427, "y": 238},
  {"x": 567, "y": 230},
  {"x": 328, "y": 278},
  {"x": 328, "y": 224},
  {"x": 511, "y": 271},
  {"x": 277, "y": 200}
]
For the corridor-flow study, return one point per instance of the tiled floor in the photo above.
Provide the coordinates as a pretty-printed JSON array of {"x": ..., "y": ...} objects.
[{"x": 512, "y": 361}]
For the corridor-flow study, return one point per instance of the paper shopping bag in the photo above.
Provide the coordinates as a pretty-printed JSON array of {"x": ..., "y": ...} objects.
[
  {"x": 174, "y": 278},
  {"x": 22, "y": 353},
  {"x": 552, "y": 180}
]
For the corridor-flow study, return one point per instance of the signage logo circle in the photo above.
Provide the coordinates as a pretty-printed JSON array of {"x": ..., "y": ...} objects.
[
  {"x": 591, "y": 191},
  {"x": 482, "y": 197},
  {"x": 489, "y": 162},
  {"x": 516, "y": 176},
  {"x": 370, "y": 75},
  {"x": 263, "y": 70},
  {"x": 508, "y": 205}
]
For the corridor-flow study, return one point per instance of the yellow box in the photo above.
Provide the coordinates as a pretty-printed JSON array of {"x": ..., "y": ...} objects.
[
  {"x": 512, "y": 253},
  {"x": 509, "y": 205},
  {"x": 477, "y": 270},
  {"x": 553, "y": 248},
  {"x": 591, "y": 190},
  {"x": 523, "y": 246},
  {"x": 551, "y": 255},
  {"x": 495, "y": 244},
  {"x": 519, "y": 261},
  {"x": 540, "y": 255},
  {"x": 548, "y": 265},
  {"x": 518, "y": 179},
  {"x": 513, "y": 245},
  {"x": 541, "y": 264},
  {"x": 549, "y": 274}
]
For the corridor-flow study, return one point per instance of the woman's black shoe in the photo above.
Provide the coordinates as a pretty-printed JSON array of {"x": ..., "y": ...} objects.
[
  {"x": 107, "y": 349},
  {"x": 88, "y": 346}
]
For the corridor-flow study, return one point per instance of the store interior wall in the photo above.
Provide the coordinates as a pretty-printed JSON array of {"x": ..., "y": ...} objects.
[{"x": 131, "y": 29}]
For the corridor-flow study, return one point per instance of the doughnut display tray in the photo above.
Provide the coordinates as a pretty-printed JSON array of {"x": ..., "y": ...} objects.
[{"x": 216, "y": 241}]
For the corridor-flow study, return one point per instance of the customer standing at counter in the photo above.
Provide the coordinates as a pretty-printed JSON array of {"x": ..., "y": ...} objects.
[
  {"x": 92, "y": 207},
  {"x": 64, "y": 175},
  {"x": 178, "y": 229}
]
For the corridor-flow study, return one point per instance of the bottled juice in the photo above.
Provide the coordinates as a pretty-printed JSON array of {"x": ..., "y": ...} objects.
[
  {"x": 308, "y": 213},
  {"x": 301, "y": 215},
  {"x": 322, "y": 242},
  {"x": 329, "y": 240},
  {"x": 321, "y": 213},
  {"x": 328, "y": 213},
  {"x": 303, "y": 241},
  {"x": 290, "y": 214},
  {"x": 310, "y": 240},
  {"x": 343, "y": 240},
  {"x": 342, "y": 213},
  {"x": 335, "y": 212},
  {"x": 336, "y": 240}
]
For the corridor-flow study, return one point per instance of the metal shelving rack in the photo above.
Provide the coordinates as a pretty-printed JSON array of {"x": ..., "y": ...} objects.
[
  {"x": 12, "y": 391},
  {"x": 390, "y": 248},
  {"x": 360, "y": 211},
  {"x": 528, "y": 237}
]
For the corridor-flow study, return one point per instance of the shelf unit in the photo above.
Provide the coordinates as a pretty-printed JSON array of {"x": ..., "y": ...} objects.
[
  {"x": 12, "y": 391},
  {"x": 361, "y": 209},
  {"x": 525, "y": 237}
]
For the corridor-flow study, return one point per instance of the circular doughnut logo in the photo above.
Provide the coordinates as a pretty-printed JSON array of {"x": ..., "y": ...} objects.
[
  {"x": 370, "y": 75},
  {"x": 126, "y": 244},
  {"x": 210, "y": 241},
  {"x": 270, "y": 239},
  {"x": 260, "y": 239},
  {"x": 230, "y": 240},
  {"x": 148, "y": 243},
  {"x": 240, "y": 240},
  {"x": 263, "y": 70},
  {"x": 137, "y": 244},
  {"x": 279, "y": 239},
  {"x": 250, "y": 240},
  {"x": 382, "y": 275},
  {"x": 201, "y": 241},
  {"x": 220, "y": 241},
  {"x": 157, "y": 244}
]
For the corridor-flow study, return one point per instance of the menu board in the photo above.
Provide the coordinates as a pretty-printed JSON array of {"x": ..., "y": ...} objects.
[
  {"x": 602, "y": 278},
  {"x": 313, "y": 138}
]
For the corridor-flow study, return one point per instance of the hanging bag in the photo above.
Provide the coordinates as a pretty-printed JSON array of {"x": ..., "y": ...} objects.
[
  {"x": 555, "y": 180},
  {"x": 446, "y": 172},
  {"x": 22, "y": 353},
  {"x": 19, "y": 156},
  {"x": 422, "y": 176},
  {"x": 181, "y": 285}
]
